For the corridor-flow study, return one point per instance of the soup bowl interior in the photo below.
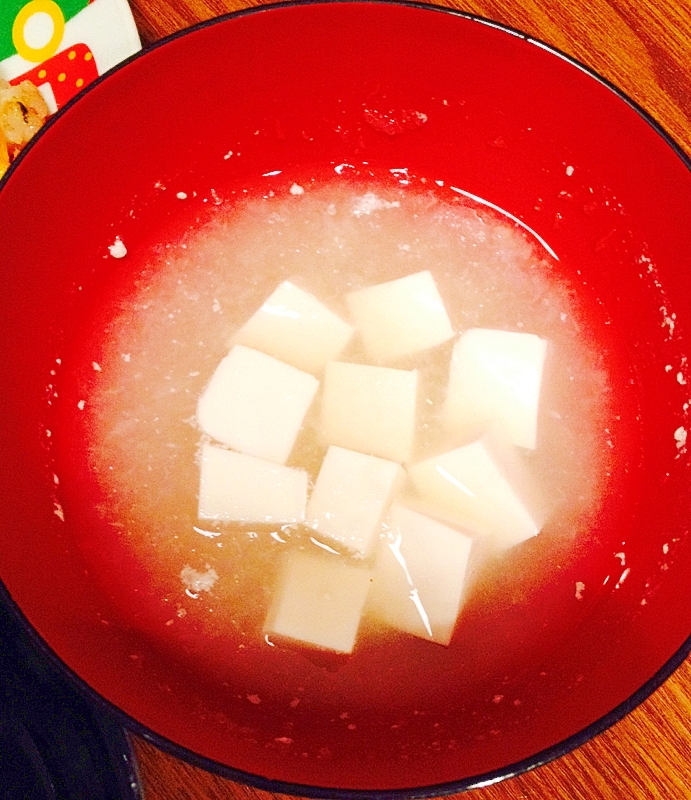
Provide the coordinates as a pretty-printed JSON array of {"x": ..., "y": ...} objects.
[{"x": 308, "y": 88}]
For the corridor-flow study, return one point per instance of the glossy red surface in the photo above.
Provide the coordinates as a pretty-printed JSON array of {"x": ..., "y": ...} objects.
[{"x": 338, "y": 83}]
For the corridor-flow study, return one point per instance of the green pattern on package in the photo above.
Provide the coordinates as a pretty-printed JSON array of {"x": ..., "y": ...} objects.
[{"x": 10, "y": 9}]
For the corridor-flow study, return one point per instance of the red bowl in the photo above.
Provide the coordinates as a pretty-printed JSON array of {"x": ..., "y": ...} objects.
[{"x": 325, "y": 84}]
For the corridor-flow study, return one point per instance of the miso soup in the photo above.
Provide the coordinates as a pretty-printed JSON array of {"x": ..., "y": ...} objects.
[{"x": 208, "y": 589}]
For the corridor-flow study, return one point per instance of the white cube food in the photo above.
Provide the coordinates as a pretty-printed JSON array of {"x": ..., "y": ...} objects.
[
  {"x": 256, "y": 404},
  {"x": 419, "y": 575},
  {"x": 495, "y": 379},
  {"x": 370, "y": 409},
  {"x": 482, "y": 488},
  {"x": 350, "y": 497},
  {"x": 319, "y": 601},
  {"x": 400, "y": 318},
  {"x": 234, "y": 487},
  {"x": 295, "y": 327}
]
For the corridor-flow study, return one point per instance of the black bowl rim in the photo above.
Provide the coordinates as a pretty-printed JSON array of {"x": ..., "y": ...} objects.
[{"x": 325, "y": 793}]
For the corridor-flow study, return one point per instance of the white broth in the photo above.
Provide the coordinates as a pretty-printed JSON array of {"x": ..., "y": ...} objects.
[{"x": 203, "y": 589}]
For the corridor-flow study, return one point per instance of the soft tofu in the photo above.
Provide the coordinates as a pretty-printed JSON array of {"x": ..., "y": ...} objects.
[
  {"x": 495, "y": 379},
  {"x": 256, "y": 404},
  {"x": 482, "y": 487},
  {"x": 370, "y": 409},
  {"x": 293, "y": 326},
  {"x": 419, "y": 575},
  {"x": 319, "y": 601},
  {"x": 237, "y": 488},
  {"x": 351, "y": 494},
  {"x": 400, "y": 318}
]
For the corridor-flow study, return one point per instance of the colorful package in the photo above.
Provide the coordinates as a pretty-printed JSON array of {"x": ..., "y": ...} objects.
[{"x": 63, "y": 45}]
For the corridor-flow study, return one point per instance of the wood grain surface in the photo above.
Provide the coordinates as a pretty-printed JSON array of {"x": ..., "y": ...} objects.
[{"x": 644, "y": 48}]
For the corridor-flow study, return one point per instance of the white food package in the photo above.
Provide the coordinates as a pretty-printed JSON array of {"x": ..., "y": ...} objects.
[
  {"x": 319, "y": 601},
  {"x": 293, "y": 326},
  {"x": 256, "y": 404},
  {"x": 419, "y": 575},
  {"x": 494, "y": 379},
  {"x": 350, "y": 497},
  {"x": 370, "y": 409},
  {"x": 400, "y": 318},
  {"x": 238, "y": 488}
]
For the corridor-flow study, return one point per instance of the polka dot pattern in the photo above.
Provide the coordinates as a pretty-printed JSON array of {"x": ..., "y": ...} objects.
[{"x": 66, "y": 72}]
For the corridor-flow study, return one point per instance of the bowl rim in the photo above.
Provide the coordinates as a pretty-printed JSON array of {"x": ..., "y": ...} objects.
[{"x": 131, "y": 725}]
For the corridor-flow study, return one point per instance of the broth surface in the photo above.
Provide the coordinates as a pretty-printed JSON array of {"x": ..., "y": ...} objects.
[{"x": 201, "y": 592}]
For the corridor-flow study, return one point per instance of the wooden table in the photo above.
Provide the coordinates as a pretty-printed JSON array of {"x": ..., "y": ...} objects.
[{"x": 644, "y": 48}]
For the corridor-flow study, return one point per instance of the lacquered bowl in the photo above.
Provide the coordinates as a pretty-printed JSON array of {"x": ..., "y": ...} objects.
[{"x": 507, "y": 120}]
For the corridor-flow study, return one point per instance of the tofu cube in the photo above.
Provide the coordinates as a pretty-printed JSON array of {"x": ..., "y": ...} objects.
[
  {"x": 256, "y": 404},
  {"x": 370, "y": 409},
  {"x": 419, "y": 575},
  {"x": 319, "y": 601},
  {"x": 293, "y": 326},
  {"x": 237, "y": 488},
  {"x": 495, "y": 379},
  {"x": 400, "y": 318},
  {"x": 351, "y": 495},
  {"x": 481, "y": 487}
]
